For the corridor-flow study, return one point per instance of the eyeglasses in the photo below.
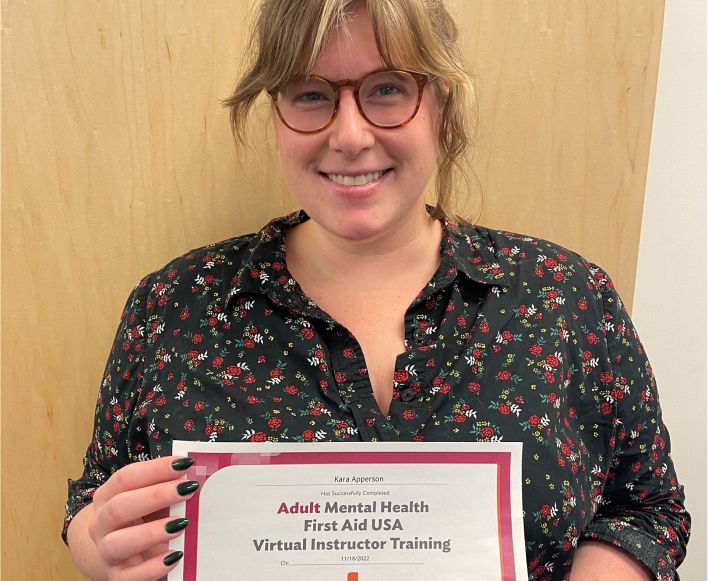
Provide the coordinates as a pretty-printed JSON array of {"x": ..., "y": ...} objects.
[{"x": 386, "y": 98}]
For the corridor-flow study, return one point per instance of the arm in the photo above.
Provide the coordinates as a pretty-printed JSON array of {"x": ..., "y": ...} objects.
[
  {"x": 641, "y": 511},
  {"x": 616, "y": 564},
  {"x": 112, "y": 496},
  {"x": 110, "y": 448}
]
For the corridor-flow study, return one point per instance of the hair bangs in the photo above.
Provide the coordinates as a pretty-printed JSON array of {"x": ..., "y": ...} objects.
[{"x": 400, "y": 38}]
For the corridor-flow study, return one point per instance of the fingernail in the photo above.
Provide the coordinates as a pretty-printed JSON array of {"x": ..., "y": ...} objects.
[
  {"x": 185, "y": 488},
  {"x": 182, "y": 463},
  {"x": 172, "y": 558},
  {"x": 174, "y": 526}
]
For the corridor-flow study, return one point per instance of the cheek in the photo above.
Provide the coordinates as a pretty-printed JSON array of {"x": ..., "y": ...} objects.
[
  {"x": 286, "y": 148},
  {"x": 289, "y": 144},
  {"x": 422, "y": 140},
  {"x": 433, "y": 114},
  {"x": 280, "y": 135},
  {"x": 424, "y": 145}
]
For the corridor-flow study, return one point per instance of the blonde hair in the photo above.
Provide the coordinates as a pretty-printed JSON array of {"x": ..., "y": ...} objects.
[{"x": 414, "y": 34}]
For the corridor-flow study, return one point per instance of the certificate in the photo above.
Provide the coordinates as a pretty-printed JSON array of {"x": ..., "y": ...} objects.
[{"x": 352, "y": 512}]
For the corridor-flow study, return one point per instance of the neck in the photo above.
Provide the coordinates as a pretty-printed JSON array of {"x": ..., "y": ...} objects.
[{"x": 330, "y": 259}]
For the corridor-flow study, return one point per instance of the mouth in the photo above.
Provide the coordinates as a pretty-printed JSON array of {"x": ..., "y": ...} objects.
[{"x": 357, "y": 180}]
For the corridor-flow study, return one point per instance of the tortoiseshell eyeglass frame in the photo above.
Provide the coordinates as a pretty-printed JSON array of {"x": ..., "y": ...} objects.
[{"x": 421, "y": 79}]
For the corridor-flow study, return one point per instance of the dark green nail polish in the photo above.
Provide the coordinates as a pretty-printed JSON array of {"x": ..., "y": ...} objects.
[
  {"x": 182, "y": 463},
  {"x": 172, "y": 558},
  {"x": 185, "y": 488},
  {"x": 174, "y": 526}
]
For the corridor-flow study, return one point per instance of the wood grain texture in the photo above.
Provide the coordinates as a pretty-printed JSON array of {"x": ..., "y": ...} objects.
[
  {"x": 117, "y": 157},
  {"x": 566, "y": 99}
]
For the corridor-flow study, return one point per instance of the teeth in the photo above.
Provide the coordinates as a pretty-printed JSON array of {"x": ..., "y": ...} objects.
[{"x": 355, "y": 180}]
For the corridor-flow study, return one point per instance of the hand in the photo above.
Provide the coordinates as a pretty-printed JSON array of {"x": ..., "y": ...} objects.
[{"x": 130, "y": 527}]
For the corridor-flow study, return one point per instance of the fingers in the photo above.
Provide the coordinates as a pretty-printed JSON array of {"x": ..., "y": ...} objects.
[
  {"x": 120, "y": 545},
  {"x": 154, "y": 568},
  {"x": 131, "y": 527},
  {"x": 162, "y": 513},
  {"x": 127, "y": 508},
  {"x": 141, "y": 474}
]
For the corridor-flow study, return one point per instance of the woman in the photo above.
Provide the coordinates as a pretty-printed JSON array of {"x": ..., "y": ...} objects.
[{"x": 370, "y": 316}]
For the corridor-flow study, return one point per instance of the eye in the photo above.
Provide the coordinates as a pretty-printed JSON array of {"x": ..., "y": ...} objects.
[
  {"x": 388, "y": 90},
  {"x": 308, "y": 93},
  {"x": 389, "y": 87},
  {"x": 310, "y": 97}
]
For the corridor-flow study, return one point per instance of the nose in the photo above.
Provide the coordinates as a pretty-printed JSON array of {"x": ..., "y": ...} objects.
[{"x": 350, "y": 133}]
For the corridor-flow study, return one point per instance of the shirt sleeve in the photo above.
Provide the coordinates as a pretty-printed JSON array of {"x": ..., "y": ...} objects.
[
  {"x": 120, "y": 386},
  {"x": 641, "y": 510}
]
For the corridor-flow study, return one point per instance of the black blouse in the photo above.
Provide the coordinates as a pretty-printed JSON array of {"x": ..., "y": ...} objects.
[{"x": 513, "y": 339}]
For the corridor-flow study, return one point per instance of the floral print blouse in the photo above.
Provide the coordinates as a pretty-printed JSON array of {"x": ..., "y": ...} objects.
[{"x": 513, "y": 339}]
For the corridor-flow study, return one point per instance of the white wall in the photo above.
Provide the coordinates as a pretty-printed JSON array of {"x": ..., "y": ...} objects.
[{"x": 670, "y": 296}]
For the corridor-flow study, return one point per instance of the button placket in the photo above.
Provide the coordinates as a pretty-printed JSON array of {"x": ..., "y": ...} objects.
[
  {"x": 419, "y": 336},
  {"x": 407, "y": 395}
]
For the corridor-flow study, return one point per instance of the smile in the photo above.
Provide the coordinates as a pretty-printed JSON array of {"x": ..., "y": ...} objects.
[{"x": 359, "y": 180}]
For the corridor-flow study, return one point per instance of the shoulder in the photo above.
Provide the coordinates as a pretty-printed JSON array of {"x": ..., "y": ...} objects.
[
  {"x": 203, "y": 275},
  {"x": 533, "y": 260},
  {"x": 204, "y": 278},
  {"x": 545, "y": 279},
  {"x": 226, "y": 259},
  {"x": 219, "y": 258}
]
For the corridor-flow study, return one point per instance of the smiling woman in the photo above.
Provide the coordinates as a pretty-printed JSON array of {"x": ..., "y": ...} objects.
[
  {"x": 327, "y": 170},
  {"x": 418, "y": 36},
  {"x": 369, "y": 315}
]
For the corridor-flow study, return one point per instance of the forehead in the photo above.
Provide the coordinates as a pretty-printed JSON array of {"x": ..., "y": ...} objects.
[{"x": 351, "y": 50}]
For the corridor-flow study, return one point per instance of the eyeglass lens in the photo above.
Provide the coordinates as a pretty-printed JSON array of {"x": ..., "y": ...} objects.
[{"x": 386, "y": 99}]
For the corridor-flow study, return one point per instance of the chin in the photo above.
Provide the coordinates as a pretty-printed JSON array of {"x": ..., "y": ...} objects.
[
  {"x": 360, "y": 228},
  {"x": 356, "y": 232},
  {"x": 367, "y": 224}
]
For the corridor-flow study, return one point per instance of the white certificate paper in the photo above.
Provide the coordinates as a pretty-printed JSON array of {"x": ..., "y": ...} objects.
[{"x": 352, "y": 512}]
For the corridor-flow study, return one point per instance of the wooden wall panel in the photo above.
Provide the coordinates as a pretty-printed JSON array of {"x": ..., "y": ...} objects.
[
  {"x": 566, "y": 99},
  {"x": 117, "y": 156}
]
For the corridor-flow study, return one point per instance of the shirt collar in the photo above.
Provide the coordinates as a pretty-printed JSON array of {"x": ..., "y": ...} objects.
[
  {"x": 263, "y": 264},
  {"x": 471, "y": 252},
  {"x": 463, "y": 249}
]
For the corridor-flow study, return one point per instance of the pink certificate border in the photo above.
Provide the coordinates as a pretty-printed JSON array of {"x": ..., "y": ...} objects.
[{"x": 208, "y": 463}]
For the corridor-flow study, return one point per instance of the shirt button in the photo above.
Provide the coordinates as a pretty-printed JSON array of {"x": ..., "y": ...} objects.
[
  {"x": 407, "y": 395},
  {"x": 419, "y": 335}
]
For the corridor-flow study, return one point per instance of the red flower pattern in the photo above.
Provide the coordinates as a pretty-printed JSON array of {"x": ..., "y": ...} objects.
[{"x": 572, "y": 366}]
